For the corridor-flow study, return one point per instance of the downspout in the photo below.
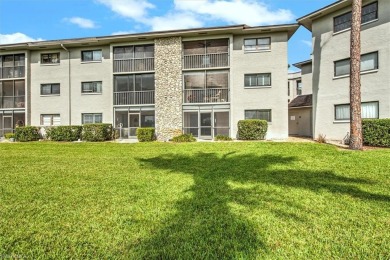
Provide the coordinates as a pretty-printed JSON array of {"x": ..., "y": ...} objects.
[{"x": 70, "y": 89}]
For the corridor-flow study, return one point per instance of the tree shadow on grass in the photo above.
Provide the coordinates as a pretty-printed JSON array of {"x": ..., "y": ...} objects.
[{"x": 205, "y": 226}]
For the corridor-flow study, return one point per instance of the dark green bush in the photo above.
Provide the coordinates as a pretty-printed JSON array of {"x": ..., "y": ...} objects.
[
  {"x": 27, "y": 134},
  {"x": 9, "y": 135},
  {"x": 252, "y": 129},
  {"x": 376, "y": 132},
  {"x": 97, "y": 132},
  {"x": 222, "y": 138},
  {"x": 146, "y": 134},
  {"x": 64, "y": 133},
  {"x": 184, "y": 138}
]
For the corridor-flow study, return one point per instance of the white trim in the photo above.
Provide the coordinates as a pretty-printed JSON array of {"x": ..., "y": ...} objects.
[{"x": 348, "y": 29}]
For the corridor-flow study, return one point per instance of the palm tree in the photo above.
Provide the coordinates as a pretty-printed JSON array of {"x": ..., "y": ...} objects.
[{"x": 356, "y": 137}]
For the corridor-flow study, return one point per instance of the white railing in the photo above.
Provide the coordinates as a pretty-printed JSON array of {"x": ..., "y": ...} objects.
[
  {"x": 206, "y": 60},
  {"x": 209, "y": 95},
  {"x": 134, "y": 97},
  {"x": 129, "y": 65}
]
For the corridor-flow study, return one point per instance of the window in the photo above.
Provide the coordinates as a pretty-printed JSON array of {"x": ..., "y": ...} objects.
[
  {"x": 12, "y": 66},
  {"x": 95, "y": 55},
  {"x": 92, "y": 118},
  {"x": 131, "y": 52},
  {"x": 50, "y": 120},
  {"x": 91, "y": 87},
  {"x": 257, "y": 80},
  {"x": 50, "y": 89},
  {"x": 343, "y": 22},
  {"x": 50, "y": 58},
  {"x": 369, "y": 110},
  {"x": 258, "y": 44},
  {"x": 299, "y": 87},
  {"x": 368, "y": 62},
  {"x": 263, "y": 114},
  {"x": 135, "y": 82}
]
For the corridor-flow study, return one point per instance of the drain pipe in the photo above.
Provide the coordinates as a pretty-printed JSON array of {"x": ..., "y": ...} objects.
[{"x": 70, "y": 89}]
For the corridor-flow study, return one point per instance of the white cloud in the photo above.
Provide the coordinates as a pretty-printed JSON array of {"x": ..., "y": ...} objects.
[
  {"x": 134, "y": 9},
  {"x": 82, "y": 22},
  {"x": 16, "y": 38},
  {"x": 174, "y": 21},
  {"x": 307, "y": 43},
  {"x": 123, "y": 32},
  {"x": 236, "y": 11}
]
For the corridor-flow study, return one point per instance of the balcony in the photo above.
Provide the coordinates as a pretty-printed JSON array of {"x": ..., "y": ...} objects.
[
  {"x": 209, "y": 95},
  {"x": 198, "y": 61},
  {"x": 132, "y": 65},
  {"x": 12, "y": 102},
  {"x": 134, "y": 98}
]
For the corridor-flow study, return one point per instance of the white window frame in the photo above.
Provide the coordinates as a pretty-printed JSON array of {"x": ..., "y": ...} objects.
[
  {"x": 346, "y": 107},
  {"x": 55, "y": 119},
  {"x": 347, "y": 62},
  {"x": 259, "y": 110},
  {"x": 51, "y": 89},
  {"x": 259, "y": 76},
  {"x": 94, "y": 116},
  {"x": 258, "y": 47},
  {"x": 95, "y": 87},
  {"x": 50, "y": 58},
  {"x": 93, "y": 58}
]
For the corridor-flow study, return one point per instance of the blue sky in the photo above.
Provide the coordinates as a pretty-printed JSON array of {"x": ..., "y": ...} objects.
[{"x": 29, "y": 20}]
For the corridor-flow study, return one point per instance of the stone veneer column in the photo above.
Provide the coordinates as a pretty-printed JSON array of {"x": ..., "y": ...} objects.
[{"x": 168, "y": 87}]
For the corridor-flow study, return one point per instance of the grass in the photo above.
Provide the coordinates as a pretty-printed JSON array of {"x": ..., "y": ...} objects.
[{"x": 243, "y": 200}]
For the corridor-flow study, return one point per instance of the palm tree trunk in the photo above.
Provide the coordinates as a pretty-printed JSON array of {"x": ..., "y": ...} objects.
[{"x": 356, "y": 138}]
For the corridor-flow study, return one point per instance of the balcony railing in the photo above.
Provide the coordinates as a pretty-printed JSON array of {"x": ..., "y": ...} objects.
[
  {"x": 210, "y": 95},
  {"x": 130, "y": 65},
  {"x": 11, "y": 72},
  {"x": 134, "y": 97},
  {"x": 12, "y": 102},
  {"x": 206, "y": 60}
]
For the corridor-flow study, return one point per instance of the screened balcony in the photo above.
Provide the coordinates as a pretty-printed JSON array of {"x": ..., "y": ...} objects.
[
  {"x": 206, "y": 87},
  {"x": 12, "y": 66},
  {"x": 134, "y": 58},
  {"x": 135, "y": 89},
  {"x": 12, "y": 94},
  {"x": 206, "y": 54}
]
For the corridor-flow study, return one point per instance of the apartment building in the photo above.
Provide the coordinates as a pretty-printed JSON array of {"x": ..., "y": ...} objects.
[
  {"x": 300, "y": 119},
  {"x": 330, "y": 27},
  {"x": 200, "y": 81}
]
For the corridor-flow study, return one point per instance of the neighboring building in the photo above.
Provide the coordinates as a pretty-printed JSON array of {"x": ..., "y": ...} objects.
[
  {"x": 300, "y": 100},
  {"x": 199, "y": 81},
  {"x": 330, "y": 27}
]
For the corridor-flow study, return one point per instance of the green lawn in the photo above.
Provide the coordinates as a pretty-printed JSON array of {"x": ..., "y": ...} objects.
[{"x": 240, "y": 200}]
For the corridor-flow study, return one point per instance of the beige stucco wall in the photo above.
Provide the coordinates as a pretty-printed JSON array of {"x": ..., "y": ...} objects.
[
  {"x": 307, "y": 78},
  {"x": 273, "y": 97},
  {"x": 80, "y": 72},
  {"x": 329, "y": 91}
]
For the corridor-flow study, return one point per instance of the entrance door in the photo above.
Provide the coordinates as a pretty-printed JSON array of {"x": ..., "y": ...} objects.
[
  {"x": 205, "y": 125},
  {"x": 7, "y": 124},
  {"x": 134, "y": 123}
]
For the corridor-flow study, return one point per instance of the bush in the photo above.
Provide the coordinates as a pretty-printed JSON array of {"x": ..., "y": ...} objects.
[
  {"x": 184, "y": 138},
  {"x": 27, "y": 134},
  {"x": 321, "y": 138},
  {"x": 9, "y": 135},
  {"x": 252, "y": 129},
  {"x": 146, "y": 134},
  {"x": 222, "y": 138},
  {"x": 97, "y": 132},
  {"x": 64, "y": 133},
  {"x": 376, "y": 132}
]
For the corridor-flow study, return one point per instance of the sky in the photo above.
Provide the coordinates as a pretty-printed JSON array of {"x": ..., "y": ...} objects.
[{"x": 34, "y": 20}]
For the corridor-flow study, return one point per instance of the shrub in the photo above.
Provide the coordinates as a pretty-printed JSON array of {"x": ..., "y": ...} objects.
[
  {"x": 184, "y": 138},
  {"x": 376, "y": 132},
  {"x": 321, "y": 138},
  {"x": 222, "y": 138},
  {"x": 252, "y": 129},
  {"x": 9, "y": 135},
  {"x": 64, "y": 133},
  {"x": 96, "y": 132},
  {"x": 146, "y": 134},
  {"x": 27, "y": 134}
]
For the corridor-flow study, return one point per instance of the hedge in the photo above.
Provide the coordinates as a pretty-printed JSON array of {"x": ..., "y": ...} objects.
[
  {"x": 97, "y": 132},
  {"x": 184, "y": 138},
  {"x": 145, "y": 134},
  {"x": 222, "y": 138},
  {"x": 64, "y": 133},
  {"x": 252, "y": 129},
  {"x": 376, "y": 132},
  {"x": 27, "y": 134}
]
